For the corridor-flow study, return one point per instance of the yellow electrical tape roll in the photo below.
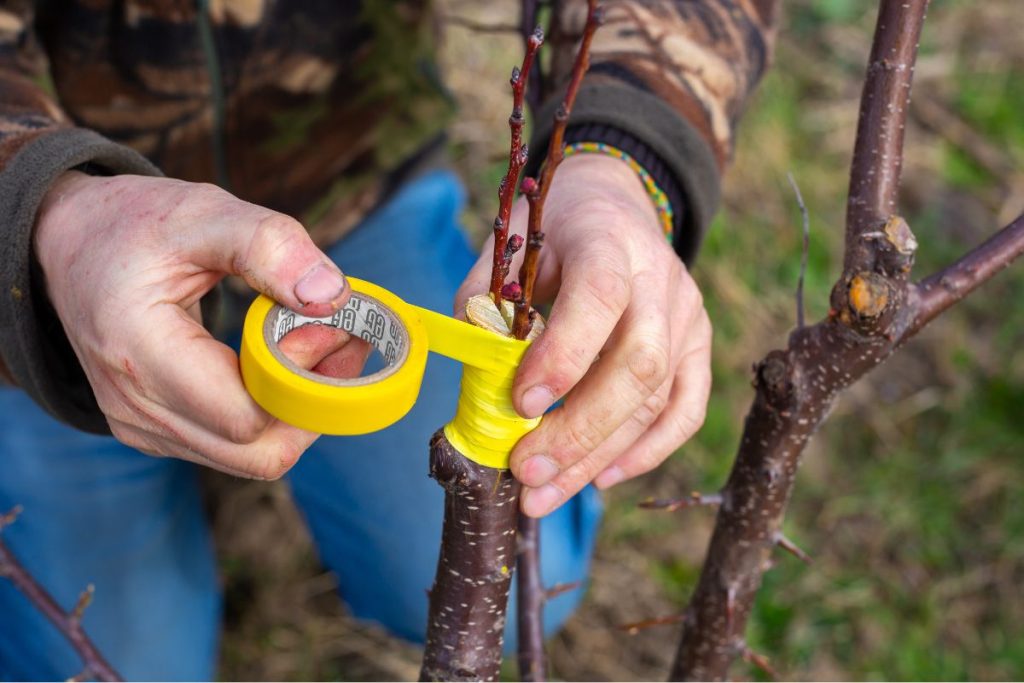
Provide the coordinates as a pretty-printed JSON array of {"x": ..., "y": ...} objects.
[{"x": 485, "y": 427}]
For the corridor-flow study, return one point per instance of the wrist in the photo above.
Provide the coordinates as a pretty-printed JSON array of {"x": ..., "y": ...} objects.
[
  {"x": 606, "y": 182},
  {"x": 58, "y": 212}
]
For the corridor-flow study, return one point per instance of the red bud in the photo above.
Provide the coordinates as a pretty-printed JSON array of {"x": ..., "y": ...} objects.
[{"x": 512, "y": 291}]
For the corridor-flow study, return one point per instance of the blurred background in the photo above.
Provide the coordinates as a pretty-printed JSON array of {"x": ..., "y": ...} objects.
[{"x": 906, "y": 499}]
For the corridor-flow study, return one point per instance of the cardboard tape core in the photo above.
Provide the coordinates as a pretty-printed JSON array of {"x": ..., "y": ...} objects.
[{"x": 364, "y": 317}]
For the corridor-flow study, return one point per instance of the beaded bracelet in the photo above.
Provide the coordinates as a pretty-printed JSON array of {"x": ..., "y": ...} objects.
[{"x": 658, "y": 196}]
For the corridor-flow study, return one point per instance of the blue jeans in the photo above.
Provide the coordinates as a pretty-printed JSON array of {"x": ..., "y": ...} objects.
[{"x": 98, "y": 512}]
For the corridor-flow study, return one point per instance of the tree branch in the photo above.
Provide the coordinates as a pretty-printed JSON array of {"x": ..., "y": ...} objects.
[
  {"x": 469, "y": 597},
  {"x": 504, "y": 248},
  {"x": 478, "y": 26},
  {"x": 938, "y": 292},
  {"x": 874, "y": 309},
  {"x": 527, "y": 22},
  {"x": 878, "y": 150},
  {"x": 530, "y": 604},
  {"x": 538, "y": 189},
  {"x": 68, "y": 623}
]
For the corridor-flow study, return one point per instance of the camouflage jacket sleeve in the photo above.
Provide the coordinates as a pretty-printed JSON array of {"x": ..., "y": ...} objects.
[
  {"x": 668, "y": 82},
  {"x": 37, "y": 144}
]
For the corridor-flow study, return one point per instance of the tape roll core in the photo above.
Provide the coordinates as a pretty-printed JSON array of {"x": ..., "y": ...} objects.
[
  {"x": 329, "y": 405},
  {"x": 363, "y": 316}
]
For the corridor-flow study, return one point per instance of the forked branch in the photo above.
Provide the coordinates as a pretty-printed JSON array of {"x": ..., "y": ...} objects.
[
  {"x": 874, "y": 309},
  {"x": 943, "y": 289},
  {"x": 68, "y": 623},
  {"x": 536, "y": 191}
]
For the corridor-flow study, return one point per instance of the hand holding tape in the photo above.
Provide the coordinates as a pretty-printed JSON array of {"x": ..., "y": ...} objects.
[{"x": 485, "y": 426}]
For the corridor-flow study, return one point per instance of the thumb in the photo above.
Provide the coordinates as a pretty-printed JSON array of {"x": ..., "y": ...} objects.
[{"x": 274, "y": 254}]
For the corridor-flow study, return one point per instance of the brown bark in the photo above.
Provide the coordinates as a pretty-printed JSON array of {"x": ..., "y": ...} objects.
[
  {"x": 874, "y": 309},
  {"x": 530, "y": 601},
  {"x": 469, "y": 597},
  {"x": 878, "y": 150},
  {"x": 68, "y": 623}
]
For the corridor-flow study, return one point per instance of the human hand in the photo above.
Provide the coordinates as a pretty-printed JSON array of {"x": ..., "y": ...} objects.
[
  {"x": 127, "y": 260},
  {"x": 627, "y": 344}
]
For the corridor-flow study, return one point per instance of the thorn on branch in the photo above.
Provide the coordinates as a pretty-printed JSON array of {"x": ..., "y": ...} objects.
[
  {"x": 757, "y": 660},
  {"x": 790, "y": 547},
  {"x": 803, "y": 254},
  {"x": 561, "y": 589},
  {"x": 84, "y": 600},
  {"x": 9, "y": 517},
  {"x": 672, "y": 504},
  {"x": 637, "y": 626}
]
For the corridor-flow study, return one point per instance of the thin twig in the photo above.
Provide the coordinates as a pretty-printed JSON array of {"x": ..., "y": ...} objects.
[
  {"x": 758, "y": 660},
  {"x": 878, "y": 151},
  {"x": 951, "y": 284},
  {"x": 803, "y": 252},
  {"x": 561, "y": 589},
  {"x": 556, "y": 152},
  {"x": 672, "y": 504},
  {"x": 505, "y": 248},
  {"x": 792, "y": 548},
  {"x": 535, "y": 87},
  {"x": 68, "y": 623},
  {"x": 530, "y": 603},
  {"x": 478, "y": 26},
  {"x": 637, "y": 626}
]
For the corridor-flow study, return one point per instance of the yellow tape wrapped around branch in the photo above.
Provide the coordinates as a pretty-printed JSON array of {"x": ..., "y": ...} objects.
[{"x": 485, "y": 428}]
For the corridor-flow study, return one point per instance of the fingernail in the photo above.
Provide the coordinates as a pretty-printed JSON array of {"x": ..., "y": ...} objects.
[
  {"x": 539, "y": 502},
  {"x": 536, "y": 400},
  {"x": 538, "y": 470},
  {"x": 609, "y": 477},
  {"x": 322, "y": 285}
]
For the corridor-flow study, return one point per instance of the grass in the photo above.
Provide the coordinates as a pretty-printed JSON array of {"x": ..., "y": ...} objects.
[{"x": 907, "y": 499}]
